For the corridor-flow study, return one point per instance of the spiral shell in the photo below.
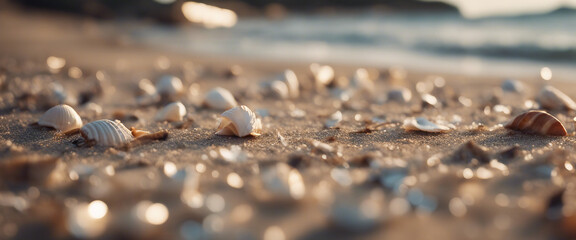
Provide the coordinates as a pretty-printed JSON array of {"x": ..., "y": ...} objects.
[
  {"x": 240, "y": 121},
  {"x": 61, "y": 117},
  {"x": 538, "y": 122},
  {"x": 552, "y": 98},
  {"x": 172, "y": 112},
  {"x": 220, "y": 98},
  {"x": 107, "y": 133}
]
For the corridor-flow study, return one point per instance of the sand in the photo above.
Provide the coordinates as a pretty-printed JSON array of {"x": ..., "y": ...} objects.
[{"x": 442, "y": 193}]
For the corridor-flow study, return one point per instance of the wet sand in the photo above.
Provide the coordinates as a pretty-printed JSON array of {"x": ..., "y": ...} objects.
[{"x": 435, "y": 191}]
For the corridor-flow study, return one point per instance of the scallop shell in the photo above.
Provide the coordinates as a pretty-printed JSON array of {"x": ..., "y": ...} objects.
[
  {"x": 240, "y": 121},
  {"x": 169, "y": 85},
  {"x": 172, "y": 112},
  {"x": 422, "y": 124},
  {"x": 220, "y": 98},
  {"x": 107, "y": 133},
  {"x": 323, "y": 74},
  {"x": 538, "y": 122},
  {"x": 289, "y": 77},
  {"x": 61, "y": 117},
  {"x": 399, "y": 94},
  {"x": 552, "y": 98}
]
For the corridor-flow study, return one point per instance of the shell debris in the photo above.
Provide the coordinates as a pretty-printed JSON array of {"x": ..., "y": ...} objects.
[
  {"x": 239, "y": 121},
  {"x": 172, "y": 112},
  {"x": 422, "y": 124},
  {"x": 107, "y": 133},
  {"x": 538, "y": 122},
  {"x": 220, "y": 99},
  {"x": 61, "y": 117}
]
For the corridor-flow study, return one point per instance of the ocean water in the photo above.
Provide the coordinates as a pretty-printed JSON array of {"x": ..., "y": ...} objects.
[{"x": 435, "y": 41}]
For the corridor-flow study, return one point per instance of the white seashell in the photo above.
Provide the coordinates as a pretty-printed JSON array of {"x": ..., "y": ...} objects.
[
  {"x": 61, "y": 117},
  {"x": 280, "y": 89},
  {"x": 220, "y": 98},
  {"x": 422, "y": 124},
  {"x": 239, "y": 121},
  {"x": 282, "y": 183},
  {"x": 169, "y": 85},
  {"x": 552, "y": 98},
  {"x": 333, "y": 119},
  {"x": 107, "y": 133},
  {"x": 145, "y": 87},
  {"x": 172, "y": 112},
  {"x": 361, "y": 80},
  {"x": 512, "y": 85},
  {"x": 358, "y": 211},
  {"x": 399, "y": 94},
  {"x": 323, "y": 74},
  {"x": 289, "y": 77}
]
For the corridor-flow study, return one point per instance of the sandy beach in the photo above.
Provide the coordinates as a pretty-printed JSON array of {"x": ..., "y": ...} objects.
[{"x": 366, "y": 177}]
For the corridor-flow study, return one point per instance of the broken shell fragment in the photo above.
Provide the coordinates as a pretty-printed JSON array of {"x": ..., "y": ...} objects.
[
  {"x": 538, "y": 122},
  {"x": 333, "y": 119},
  {"x": 399, "y": 94},
  {"x": 220, "y": 98},
  {"x": 422, "y": 124},
  {"x": 61, "y": 117},
  {"x": 106, "y": 133},
  {"x": 552, "y": 98},
  {"x": 172, "y": 112},
  {"x": 240, "y": 121}
]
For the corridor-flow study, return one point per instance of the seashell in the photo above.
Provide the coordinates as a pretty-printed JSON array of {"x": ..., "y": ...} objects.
[
  {"x": 239, "y": 121},
  {"x": 61, "y": 117},
  {"x": 280, "y": 89},
  {"x": 280, "y": 182},
  {"x": 361, "y": 80},
  {"x": 172, "y": 112},
  {"x": 106, "y": 133},
  {"x": 399, "y": 94},
  {"x": 538, "y": 122},
  {"x": 333, "y": 119},
  {"x": 169, "y": 85},
  {"x": 92, "y": 109},
  {"x": 552, "y": 98},
  {"x": 358, "y": 210},
  {"x": 220, "y": 98},
  {"x": 323, "y": 74},
  {"x": 422, "y": 124},
  {"x": 145, "y": 87},
  {"x": 512, "y": 86},
  {"x": 289, "y": 77}
]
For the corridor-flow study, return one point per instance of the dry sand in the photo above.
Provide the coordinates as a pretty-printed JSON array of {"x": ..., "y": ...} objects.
[{"x": 430, "y": 201}]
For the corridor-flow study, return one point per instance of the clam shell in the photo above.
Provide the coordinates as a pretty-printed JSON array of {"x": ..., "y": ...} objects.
[
  {"x": 239, "y": 121},
  {"x": 172, "y": 112},
  {"x": 552, "y": 98},
  {"x": 220, "y": 98},
  {"x": 169, "y": 85},
  {"x": 422, "y": 124},
  {"x": 61, "y": 117},
  {"x": 399, "y": 94},
  {"x": 289, "y": 77},
  {"x": 107, "y": 133},
  {"x": 538, "y": 122}
]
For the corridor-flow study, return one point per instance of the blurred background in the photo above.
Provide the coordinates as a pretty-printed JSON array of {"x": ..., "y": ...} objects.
[{"x": 476, "y": 37}]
